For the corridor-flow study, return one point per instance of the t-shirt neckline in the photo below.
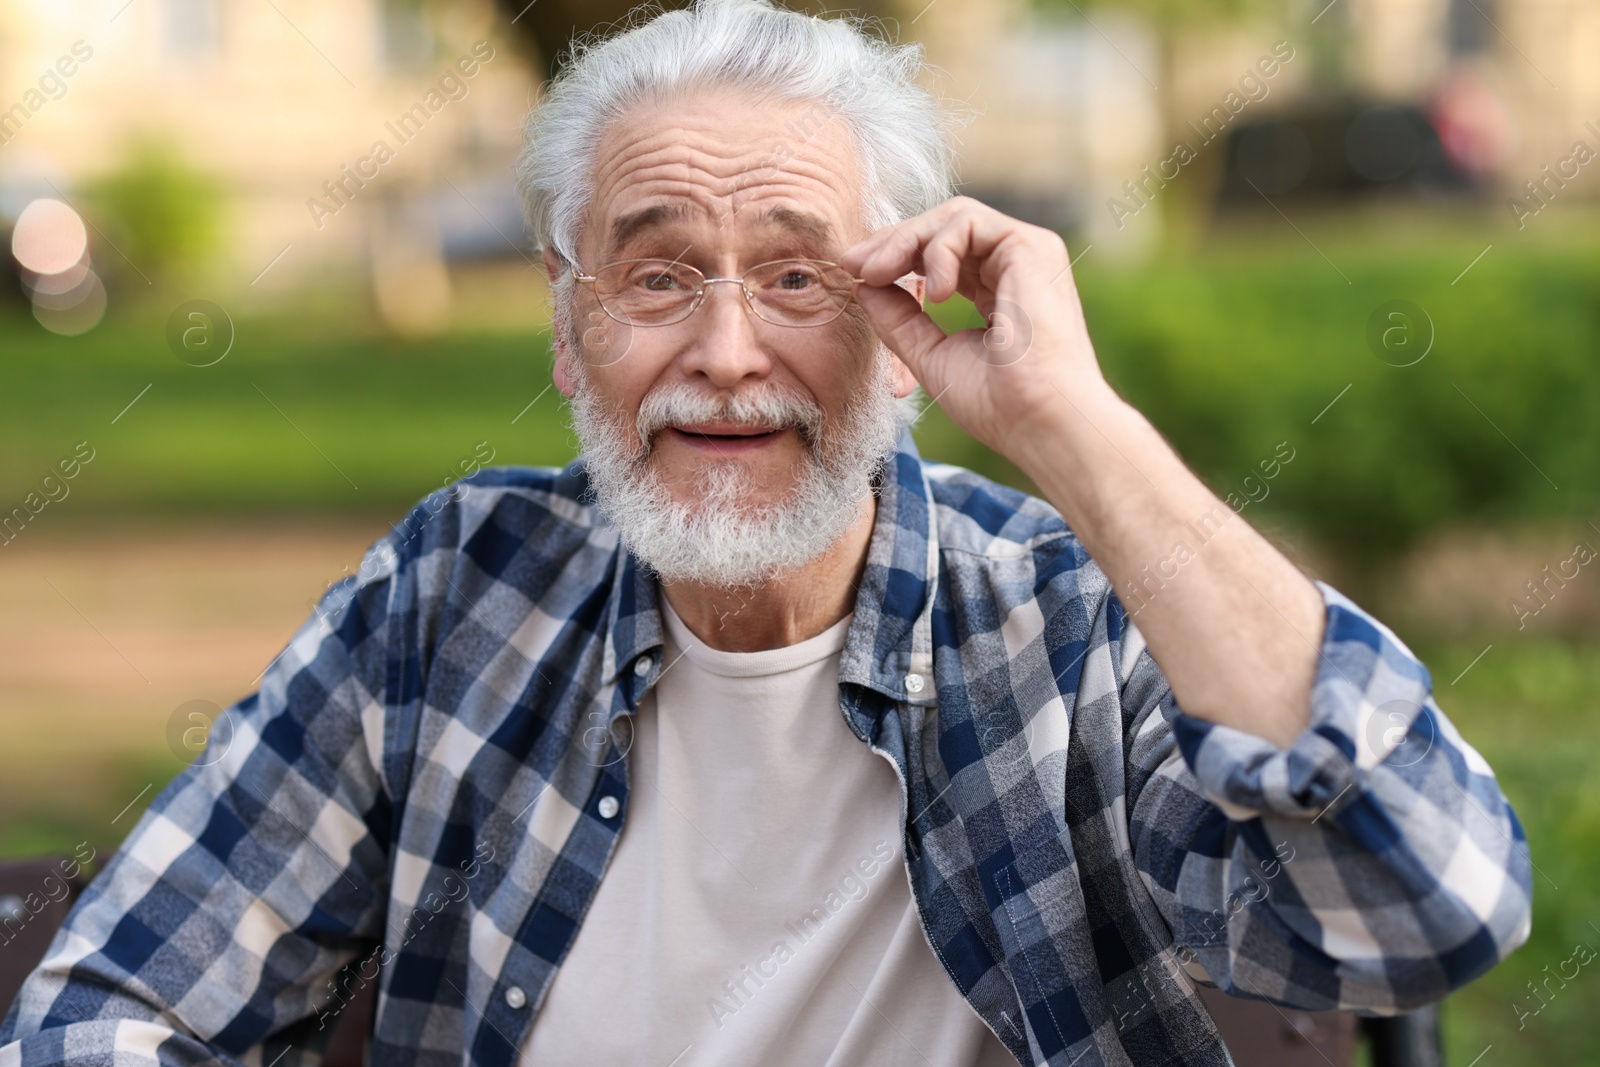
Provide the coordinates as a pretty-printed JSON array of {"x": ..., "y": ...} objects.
[{"x": 682, "y": 641}]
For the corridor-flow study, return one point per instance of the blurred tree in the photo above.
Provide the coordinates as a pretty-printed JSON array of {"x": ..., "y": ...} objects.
[
  {"x": 547, "y": 26},
  {"x": 164, "y": 216},
  {"x": 1171, "y": 15}
]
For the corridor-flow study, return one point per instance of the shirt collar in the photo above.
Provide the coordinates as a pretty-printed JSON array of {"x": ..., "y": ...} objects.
[{"x": 889, "y": 645}]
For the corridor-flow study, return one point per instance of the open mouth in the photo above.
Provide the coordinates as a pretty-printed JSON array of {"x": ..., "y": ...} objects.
[
  {"x": 725, "y": 439},
  {"x": 730, "y": 436}
]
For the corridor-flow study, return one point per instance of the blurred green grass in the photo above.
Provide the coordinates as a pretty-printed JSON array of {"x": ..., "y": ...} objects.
[
  {"x": 279, "y": 425},
  {"x": 1529, "y": 706}
]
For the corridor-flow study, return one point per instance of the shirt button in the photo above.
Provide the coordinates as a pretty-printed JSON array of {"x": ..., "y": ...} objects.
[
  {"x": 914, "y": 683},
  {"x": 609, "y": 807},
  {"x": 641, "y": 666},
  {"x": 515, "y": 998}
]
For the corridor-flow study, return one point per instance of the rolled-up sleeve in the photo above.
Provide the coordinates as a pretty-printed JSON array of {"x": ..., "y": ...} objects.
[
  {"x": 253, "y": 877},
  {"x": 1373, "y": 865}
]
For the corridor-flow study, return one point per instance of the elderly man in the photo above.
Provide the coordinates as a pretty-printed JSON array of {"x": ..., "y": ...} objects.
[{"x": 751, "y": 737}]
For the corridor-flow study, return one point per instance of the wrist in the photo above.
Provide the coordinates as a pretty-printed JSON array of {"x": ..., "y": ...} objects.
[{"x": 1086, "y": 418}]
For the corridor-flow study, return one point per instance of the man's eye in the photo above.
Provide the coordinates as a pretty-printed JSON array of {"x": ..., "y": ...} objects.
[
  {"x": 795, "y": 279},
  {"x": 658, "y": 282}
]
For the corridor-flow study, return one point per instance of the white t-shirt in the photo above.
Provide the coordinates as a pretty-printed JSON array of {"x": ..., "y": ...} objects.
[{"x": 757, "y": 908}]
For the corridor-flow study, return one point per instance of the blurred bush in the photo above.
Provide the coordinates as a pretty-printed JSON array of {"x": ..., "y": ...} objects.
[
  {"x": 1500, "y": 419},
  {"x": 1230, "y": 354},
  {"x": 163, "y": 215}
]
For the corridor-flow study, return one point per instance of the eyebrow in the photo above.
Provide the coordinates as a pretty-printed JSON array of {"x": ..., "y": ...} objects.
[
  {"x": 628, "y": 226},
  {"x": 803, "y": 224},
  {"x": 811, "y": 228}
]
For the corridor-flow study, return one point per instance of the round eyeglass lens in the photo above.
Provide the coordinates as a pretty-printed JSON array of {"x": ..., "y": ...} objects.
[
  {"x": 647, "y": 292},
  {"x": 799, "y": 292}
]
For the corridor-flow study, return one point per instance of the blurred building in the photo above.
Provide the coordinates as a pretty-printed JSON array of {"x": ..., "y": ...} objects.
[
  {"x": 1062, "y": 109},
  {"x": 1538, "y": 53},
  {"x": 1514, "y": 80},
  {"x": 335, "y": 129},
  {"x": 382, "y": 132},
  {"x": 1089, "y": 116},
  {"x": 1505, "y": 90}
]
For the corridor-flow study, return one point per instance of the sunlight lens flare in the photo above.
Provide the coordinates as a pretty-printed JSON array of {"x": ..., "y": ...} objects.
[{"x": 49, "y": 237}]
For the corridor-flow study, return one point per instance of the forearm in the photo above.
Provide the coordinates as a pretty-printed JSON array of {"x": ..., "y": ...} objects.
[
  {"x": 1374, "y": 866},
  {"x": 84, "y": 1015},
  {"x": 1233, "y": 624}
]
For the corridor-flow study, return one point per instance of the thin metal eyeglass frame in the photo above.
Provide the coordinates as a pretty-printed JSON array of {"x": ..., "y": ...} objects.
[{"x": 700, "y": 292}]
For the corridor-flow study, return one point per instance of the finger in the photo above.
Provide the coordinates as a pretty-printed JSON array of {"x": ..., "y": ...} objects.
[
  {"x": 903, "y": 249},
  {"x": 853, "y": 257},
  {"x": 899, "y": 320},
  {"x": 954, "y": 254},
  {"x": 971, "y": 256},
  {"x": 899, "y": 240},
  {"x": 903, "y": 238},
  {"x": 954, "y": 249}
]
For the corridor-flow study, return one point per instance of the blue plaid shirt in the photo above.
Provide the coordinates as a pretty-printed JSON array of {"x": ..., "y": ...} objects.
[{"x": 426, "y": 789}]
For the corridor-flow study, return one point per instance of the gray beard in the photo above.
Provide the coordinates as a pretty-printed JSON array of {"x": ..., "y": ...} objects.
[{"x": 719, "y": 539}]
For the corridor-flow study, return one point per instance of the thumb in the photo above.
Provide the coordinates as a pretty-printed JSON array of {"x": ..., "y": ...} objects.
[{"x": 899, "y": 320}]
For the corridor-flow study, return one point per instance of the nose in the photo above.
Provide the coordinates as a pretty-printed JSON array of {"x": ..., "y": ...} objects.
[{"x": 724, "y": 345}]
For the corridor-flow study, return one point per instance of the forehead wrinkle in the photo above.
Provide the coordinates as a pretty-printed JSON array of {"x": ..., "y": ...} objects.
[
  {"x": 692, "y": 209},
  {"x": 687, "y": 161},
  {"x": 664, "y": 182},
  {"x": 651, "y": 160},
  {"x": 724, "y": 182},
  {"x": 636, "y": 156},
  {"x": 792, "y": 221}
]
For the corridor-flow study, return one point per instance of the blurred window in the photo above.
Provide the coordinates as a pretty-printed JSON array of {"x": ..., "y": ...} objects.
[
  {"x": 407, "y": 38},
  {"x": 1469, "y": 25},
  {"x": 191, "y": 29}
]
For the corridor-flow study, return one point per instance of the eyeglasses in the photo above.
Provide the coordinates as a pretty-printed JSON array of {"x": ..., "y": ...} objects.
[{"x": 660, "y": 292}]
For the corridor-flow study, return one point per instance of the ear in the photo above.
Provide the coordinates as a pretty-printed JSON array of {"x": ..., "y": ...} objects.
[
  {"x": 558, "y": 373},
  {"x": 904, "y": 380},
  {"x": 558, "y": 330}
]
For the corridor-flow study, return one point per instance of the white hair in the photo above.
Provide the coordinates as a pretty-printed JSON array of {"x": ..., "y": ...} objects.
[{"x": 901, "y": 134}]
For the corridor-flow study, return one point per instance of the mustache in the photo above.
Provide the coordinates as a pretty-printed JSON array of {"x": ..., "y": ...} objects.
[{"x": 760, "y": 407}]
